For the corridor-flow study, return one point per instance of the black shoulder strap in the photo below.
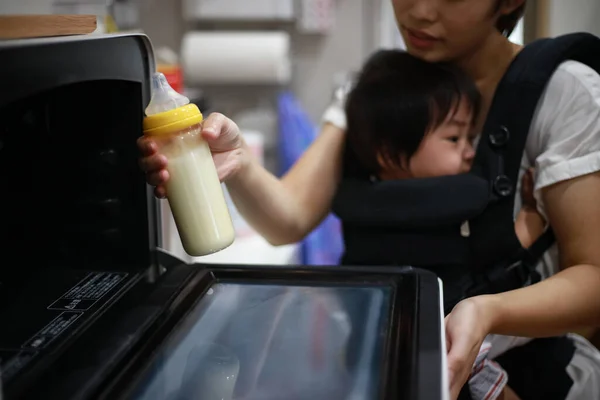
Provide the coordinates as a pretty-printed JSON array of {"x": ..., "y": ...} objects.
[{"x": 505, "y": 133}]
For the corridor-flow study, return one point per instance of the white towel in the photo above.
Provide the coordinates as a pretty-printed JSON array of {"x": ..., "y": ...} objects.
[{"x": 488, "y": 379}]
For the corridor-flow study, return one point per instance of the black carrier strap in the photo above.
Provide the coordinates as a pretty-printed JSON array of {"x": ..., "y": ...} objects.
[
  {"x": 406, "y": 222},
  {"x": 502, "y": 144}
]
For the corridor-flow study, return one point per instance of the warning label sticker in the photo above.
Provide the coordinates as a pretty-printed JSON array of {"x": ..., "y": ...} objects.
[
  {"x": 71, "y": 306},
  {"x": 51, "y": 331},
  {"x": 88, "y": 291}
]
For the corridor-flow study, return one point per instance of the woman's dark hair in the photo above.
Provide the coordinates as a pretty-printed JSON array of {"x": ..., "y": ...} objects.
[
  {"x": 506, "y": 23},
  {"x": 396, "y": 101}
]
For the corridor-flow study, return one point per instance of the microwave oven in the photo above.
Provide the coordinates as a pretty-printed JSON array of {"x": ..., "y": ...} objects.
[{"x": 91, "y": 307}]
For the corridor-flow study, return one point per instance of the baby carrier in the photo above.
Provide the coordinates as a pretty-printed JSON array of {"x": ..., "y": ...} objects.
[{"x": 462, "y": 227}]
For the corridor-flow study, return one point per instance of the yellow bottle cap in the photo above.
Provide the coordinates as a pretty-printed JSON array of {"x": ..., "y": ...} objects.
[{"x": 172, "y": 120}]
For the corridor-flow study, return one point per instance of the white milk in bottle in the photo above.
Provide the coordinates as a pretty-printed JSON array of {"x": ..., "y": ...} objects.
[{"x": 194, "y": 191}]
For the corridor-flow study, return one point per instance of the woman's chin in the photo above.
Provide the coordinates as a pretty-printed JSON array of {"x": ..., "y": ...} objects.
[{"x": 432, "y": 56}]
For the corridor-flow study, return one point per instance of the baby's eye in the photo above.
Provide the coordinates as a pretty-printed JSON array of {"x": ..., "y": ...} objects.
[{"x": 454, "y": 139}]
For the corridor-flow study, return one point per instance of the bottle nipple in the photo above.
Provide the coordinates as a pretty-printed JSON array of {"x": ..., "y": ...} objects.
[{"x": 164, "y": 98}]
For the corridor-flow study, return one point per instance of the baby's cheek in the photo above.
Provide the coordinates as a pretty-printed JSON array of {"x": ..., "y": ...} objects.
[{"x": 445, "y": 166}]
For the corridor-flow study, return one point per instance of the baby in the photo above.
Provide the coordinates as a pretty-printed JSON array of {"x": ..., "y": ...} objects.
[{"x": 407, "y": 118}]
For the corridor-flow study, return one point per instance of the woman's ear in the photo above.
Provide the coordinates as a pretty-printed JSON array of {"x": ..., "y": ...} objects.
[
  {"x": 508, "y": 13},
  {"x": 507, "y": 7}
]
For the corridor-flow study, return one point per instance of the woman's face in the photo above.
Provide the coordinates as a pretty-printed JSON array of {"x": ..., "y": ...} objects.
[{"x": 446, "y": 30}]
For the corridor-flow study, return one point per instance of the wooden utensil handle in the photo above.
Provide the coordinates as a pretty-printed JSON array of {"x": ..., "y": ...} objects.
[{"x": 29, "y": 26}]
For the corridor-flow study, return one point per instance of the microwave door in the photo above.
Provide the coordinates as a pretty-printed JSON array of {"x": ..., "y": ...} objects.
[
  {"x": 264, "y": 333},
  {"x": 252, "y": 332},
  {"x": 265, "y": 341}
]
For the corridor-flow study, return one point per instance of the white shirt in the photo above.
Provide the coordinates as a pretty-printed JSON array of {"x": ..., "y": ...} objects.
[{"x": 564, "y": 139}]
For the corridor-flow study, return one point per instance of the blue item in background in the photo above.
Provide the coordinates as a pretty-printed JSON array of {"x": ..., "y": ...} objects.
[{"x": 324, "y": 245}]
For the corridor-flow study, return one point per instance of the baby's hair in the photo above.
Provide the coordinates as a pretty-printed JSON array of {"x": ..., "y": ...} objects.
[{"x": 396, "y": 101}]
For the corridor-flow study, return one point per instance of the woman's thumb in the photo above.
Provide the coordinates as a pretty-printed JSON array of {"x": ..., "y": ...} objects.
[
  {"x": 456, "y": 369},
  {"x": 221, "y": 133},
  {"x": 212, "y": 126}
]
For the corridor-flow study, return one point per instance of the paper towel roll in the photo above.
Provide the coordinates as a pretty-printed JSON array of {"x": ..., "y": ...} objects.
[{"x": 236, "y": 57}]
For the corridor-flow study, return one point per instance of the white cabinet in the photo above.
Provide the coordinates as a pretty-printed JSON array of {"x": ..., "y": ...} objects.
[{"x": 238, "y": 10}]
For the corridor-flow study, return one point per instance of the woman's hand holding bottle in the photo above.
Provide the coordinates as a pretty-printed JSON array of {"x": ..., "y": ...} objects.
[{"x": 224, "y": 139}]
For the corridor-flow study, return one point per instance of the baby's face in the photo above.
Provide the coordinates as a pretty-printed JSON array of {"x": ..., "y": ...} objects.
[{"x": 448, "y": 150}]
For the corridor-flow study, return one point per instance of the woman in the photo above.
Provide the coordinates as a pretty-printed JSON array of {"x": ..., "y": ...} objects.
[{"x": 564, "y": 146}]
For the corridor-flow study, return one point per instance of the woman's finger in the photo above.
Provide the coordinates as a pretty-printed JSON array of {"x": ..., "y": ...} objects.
[
  {"x": 462, "y": 352},
  {"x": 146, "y": 146},
  {"x": 456, "y": 373},
  {"x": 157, "y": 178},
  {"x": 456, "y": 366},
  {"x": 154, "y": 163},
  {"x": 160, "y": 192}
]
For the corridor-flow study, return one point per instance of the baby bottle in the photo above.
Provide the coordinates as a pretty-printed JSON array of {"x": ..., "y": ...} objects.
[{"x": 194, "y": 191}]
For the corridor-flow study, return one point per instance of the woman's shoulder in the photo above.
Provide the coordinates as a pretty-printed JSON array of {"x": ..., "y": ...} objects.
[
  {"x": 573, "y": 87},
  {"x": 575, "y": 76},
  {"x": 564, "y": 139}
]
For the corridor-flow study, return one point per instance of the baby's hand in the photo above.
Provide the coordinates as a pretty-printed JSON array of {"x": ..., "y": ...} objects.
[
  {"x": 527, "y": 184},
  {"x": 530, "y": 223}
]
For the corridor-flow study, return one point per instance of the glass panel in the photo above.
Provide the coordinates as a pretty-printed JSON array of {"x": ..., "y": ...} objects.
[{"x": 264, "y": 342}]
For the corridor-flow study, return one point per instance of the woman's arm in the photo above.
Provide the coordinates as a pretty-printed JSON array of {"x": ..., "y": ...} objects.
[
  {"x": 560, "y": 304},
  {"x": 570, "y": 299},
  {"x": 566, "y": 148},
  {"x": 568, "y": 165},
  {"x": 285, "y": 211}
]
